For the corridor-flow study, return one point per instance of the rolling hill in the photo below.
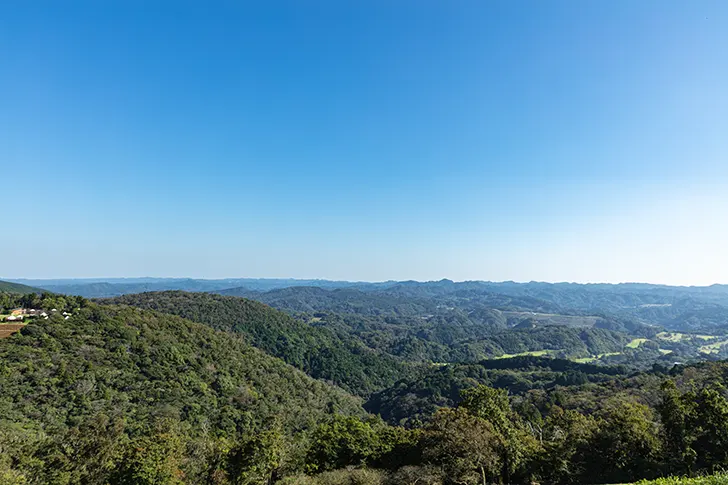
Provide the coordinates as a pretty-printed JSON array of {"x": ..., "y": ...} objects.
[
  {"x": 318, "y": 351},
  {"x": 8, "y": 287},
  {"x": 441, "y": 386},
  {"x": 124, "y": 395},
  {"x": 127, "y": 360},
  {"x": 340, "y": 300}
]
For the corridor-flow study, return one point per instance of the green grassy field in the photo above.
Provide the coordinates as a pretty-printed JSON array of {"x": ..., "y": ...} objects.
[
  {"x": 585, "y": 360},
  {"x": 718, "y": 479},
  {"x": 679, "y": 337},
  {"x": 713, "y": 348},
  {"x": 636, "y": 343},
  {"x": 608, "y": 354},
  {"x": 593, "y": 358}
]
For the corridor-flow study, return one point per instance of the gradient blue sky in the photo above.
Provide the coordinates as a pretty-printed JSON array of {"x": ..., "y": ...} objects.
[{"x": 365, "y": 140}]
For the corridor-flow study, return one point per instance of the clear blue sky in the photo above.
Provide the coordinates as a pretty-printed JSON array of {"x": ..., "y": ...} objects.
[{"x": 365, "y": 140}]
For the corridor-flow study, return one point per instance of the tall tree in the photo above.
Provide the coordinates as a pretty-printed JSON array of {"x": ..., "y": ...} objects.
[{"x": 467, "y": 447}]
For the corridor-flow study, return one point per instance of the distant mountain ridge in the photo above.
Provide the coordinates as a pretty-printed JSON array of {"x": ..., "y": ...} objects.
[
  {"x": 444, "y": 286},
  {"x": 109, "y": 287},
  {"x": 675, "y": 307}
]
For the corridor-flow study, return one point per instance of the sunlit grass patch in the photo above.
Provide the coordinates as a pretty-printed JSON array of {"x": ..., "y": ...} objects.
[
  {"x": 718, "y": 479},
  {"x": 713, "y": 348},
  {"x": 636, "y": 343},
  {"x": 679, "y": 336}
]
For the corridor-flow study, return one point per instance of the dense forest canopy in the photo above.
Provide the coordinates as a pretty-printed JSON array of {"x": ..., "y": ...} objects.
[
  {"x": 175, "y": 387},
  {"x": 143, "y": 376},
  {"x": 8, "y": 287},
  {"x": 319, "y": 351}
]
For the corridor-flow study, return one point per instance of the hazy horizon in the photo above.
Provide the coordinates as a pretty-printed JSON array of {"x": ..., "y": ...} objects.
[
  {"x": 121, "y": 279},
  {"x": 536, "y": 141}
]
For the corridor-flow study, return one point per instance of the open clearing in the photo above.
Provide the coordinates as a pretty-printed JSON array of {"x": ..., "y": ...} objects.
[
  {"x": 718, "y": 479},
  {"x": 636, "y": 343},
  {"x": 679, "y": 337},
  {"x": 594, "y": 358},
  {"x": 713, "y": 348}
]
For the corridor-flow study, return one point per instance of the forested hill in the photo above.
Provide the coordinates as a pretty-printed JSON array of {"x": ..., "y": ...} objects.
[
  {"x": 81, "y": 396},
  {"x": 121, "y": 395},
  {"x": 7, "y": 287},
  {"x": 692, "y": 309},
  {"x": 318, "y": 351},
  {"x": 441, "y": 386},
  {"x": 122, "y": 360},
  {"x": 340, "y": 300}
]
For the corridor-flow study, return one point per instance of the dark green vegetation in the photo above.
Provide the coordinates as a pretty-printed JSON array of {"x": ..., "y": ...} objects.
[
  {"x": 617, "y": 307},
  {"x": 456, "y": 337},
  {"x": 6, "y": 286},
  {"x": 174, "y": 387},
  {"x": 82, "y": 396},
  {"x": 42, "y": 301},
  {"x": 443, "y": 321},
  {"x": 319, "y": 351},
  {"x": 455, "y": 322},
  {"x": 419, "y": 399}
]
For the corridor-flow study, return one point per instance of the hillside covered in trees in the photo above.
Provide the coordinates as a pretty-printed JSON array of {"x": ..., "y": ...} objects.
[
  {"x": 391, "y": 339},
  {"x": 677, "y": 308},
  {"x": 193, "y": 388},
  {"x": 8, "y": 287},
  {"x": 319, "y": 351},
  {"x": 81, "y": 397}
]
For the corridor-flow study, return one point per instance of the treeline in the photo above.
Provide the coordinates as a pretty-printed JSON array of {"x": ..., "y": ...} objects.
[
  {"x": 456, "y": 337},
  {"x": 40, "y": 301},
  {"x": 414, "y": 400},
  {"x": 486, "y": 440}
]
